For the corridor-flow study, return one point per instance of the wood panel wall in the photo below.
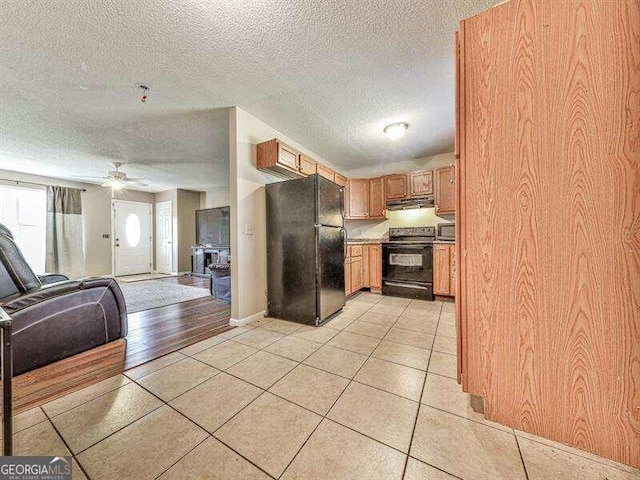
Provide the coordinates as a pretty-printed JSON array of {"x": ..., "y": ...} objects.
[{"x": 549, "y": 198}]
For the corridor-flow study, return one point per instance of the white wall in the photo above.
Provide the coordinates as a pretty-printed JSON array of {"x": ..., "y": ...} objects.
[
  {"x": 96, "y": 216},
  {"x": 247, "y": 194},
  {"x": 218, "y": 197}
]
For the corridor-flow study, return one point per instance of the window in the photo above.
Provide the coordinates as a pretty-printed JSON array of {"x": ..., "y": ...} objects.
[{"x": 24, "y": 211}]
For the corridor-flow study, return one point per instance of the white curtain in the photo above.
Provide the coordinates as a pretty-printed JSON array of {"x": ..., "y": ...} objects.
[{"x": 65, "y": 246}]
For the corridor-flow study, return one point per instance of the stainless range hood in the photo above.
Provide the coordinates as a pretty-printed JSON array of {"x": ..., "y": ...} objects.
[{"x": 410, "y": 203}]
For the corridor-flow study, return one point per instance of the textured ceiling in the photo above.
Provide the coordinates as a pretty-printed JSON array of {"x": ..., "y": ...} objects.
[{"x": 327, "y": 73}]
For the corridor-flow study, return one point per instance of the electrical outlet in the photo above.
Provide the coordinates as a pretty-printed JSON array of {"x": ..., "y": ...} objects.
[
  {"x": 106, "y": 235},
  {"x": 248, "y": 229}
]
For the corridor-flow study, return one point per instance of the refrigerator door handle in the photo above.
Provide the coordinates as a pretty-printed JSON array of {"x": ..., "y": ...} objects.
[
  {"x": 345, "y": 235},
  {"x": 342, "y": 212}
]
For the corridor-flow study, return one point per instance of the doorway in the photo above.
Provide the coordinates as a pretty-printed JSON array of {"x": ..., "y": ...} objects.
[
  {"x": 132, "y": 237},
  {"x": 164, "y": 237}
]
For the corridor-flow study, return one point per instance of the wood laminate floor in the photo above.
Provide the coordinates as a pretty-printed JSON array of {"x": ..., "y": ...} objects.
[{"x": 162, "y": 330}]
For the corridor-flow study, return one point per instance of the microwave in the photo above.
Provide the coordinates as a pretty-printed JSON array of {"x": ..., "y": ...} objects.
[{"x": 446, "y": 231}]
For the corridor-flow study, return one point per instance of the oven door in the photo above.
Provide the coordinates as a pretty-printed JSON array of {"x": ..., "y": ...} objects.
[{"x": 408, "y": 263}]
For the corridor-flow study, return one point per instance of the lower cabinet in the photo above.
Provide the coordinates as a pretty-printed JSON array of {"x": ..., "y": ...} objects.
[
  {"x": 363, "y": 268},
  {"x": 444, "y": 270},
  {"x": 375, "y": 267}
]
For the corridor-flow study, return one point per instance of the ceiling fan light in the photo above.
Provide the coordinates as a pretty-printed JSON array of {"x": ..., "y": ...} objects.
[
  {"x": 396, "y": 130},
  {"x": 114, "y": 183}
]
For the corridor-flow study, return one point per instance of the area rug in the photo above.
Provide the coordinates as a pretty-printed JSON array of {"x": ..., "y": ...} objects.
[{"x": 146, "y": 294}]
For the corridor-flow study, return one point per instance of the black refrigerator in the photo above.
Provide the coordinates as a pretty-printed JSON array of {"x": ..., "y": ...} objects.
[{"x": 306, "y": 243}]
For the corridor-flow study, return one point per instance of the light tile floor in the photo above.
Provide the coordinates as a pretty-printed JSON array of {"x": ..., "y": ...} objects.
[{"x": 370, "y": 395}]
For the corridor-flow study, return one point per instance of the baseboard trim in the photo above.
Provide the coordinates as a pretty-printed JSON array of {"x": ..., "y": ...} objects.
[{"x": 239, "y": 322}]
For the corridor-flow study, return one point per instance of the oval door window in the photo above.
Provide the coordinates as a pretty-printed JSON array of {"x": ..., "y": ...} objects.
[{"x": 132, "y": 230}]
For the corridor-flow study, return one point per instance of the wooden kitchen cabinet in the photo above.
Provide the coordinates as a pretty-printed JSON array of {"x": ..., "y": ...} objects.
[
  {"x": 444, "y": 270},
  {"x": 358, "y": 198},
  {"x": 375, "y": 267},
  {"x": 307, "y": 166},
  {"x": 340, "y": 179},
  {"x": 354, "y": 269},
  {"x": 278, "y": 158},
  {"x": 421, "y": 183},
  {"x": 325, "y": 172},
  {"x": 549, "y": 163},
  {"x": 366, "y": 266},
  {"x": 445, "y": 201},
  {"x": 377, "y": 201},
  {"x": 357, "y": 281},
  {"x": 347, "y": 277},
  {"x": 363, "y": 268},
  {"x": 396, "y": 187}
]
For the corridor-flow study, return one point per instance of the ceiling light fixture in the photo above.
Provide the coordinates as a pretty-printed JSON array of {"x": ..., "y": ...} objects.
[
  {"x": 144, "y": 89},
  {"x": 396, "y": 130},
  {"x": 114, "y": 183}
]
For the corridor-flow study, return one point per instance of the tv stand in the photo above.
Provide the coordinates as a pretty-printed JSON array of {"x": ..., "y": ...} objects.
[{"x": 203, "y": 257}]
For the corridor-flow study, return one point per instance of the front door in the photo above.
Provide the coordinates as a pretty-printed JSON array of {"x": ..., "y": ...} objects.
[
  {"x": 164, "y": 237},
  {"x": 132, "y": 238}
]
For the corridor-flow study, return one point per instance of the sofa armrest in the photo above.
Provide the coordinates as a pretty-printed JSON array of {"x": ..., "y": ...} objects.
[
  {"x": 48, "y": 278},
  {"x": 64, "y": 319},
  {"x": 58, "y": 291}
]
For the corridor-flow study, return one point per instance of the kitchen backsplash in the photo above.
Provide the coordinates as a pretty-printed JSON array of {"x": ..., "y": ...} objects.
[{"x": 401, "y": 218}]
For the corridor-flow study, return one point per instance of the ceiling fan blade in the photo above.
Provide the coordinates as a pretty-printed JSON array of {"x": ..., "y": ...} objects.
[
  {"x": 136, "y": 182},
  {"x": 92, "y": 179}
]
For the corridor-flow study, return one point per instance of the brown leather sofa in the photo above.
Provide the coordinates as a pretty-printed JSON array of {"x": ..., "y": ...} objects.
[{"x": 52, "y": 319}]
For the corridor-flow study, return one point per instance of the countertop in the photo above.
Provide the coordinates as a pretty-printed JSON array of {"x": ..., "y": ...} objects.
[{"x": 365, "y": 241}]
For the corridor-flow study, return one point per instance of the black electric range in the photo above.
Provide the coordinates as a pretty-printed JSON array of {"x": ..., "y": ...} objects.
[{"x": 407, "y": 263}]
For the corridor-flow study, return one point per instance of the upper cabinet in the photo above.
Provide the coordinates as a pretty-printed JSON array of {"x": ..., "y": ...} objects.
[
  {"x": 445, "y": 191},
  {"x": 365, "y": 198},
  {"x": 278, "y": 158},
  {"x": 326, "y": 172},
  {"x": 377, "y": 202},
  {"x": 307, "y": 165},
  {"x": 421, "y": 183},
  {"x": 396, "y": 187},
  {"x": 340, "y": 179},
  {"x": 358, "y": 198}
]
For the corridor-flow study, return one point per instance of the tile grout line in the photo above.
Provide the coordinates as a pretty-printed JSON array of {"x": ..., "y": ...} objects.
[
  {"x": 80, "y": 466},
  {"x": 137, "y": 419},
  {"x": 177, "y": 461},
  {"x": 524, "y": 465},
  {"x": 351, "y": 380},
  {"x": 429, "y": 406},
  {"x": 190, "y": 421},
  {"x": 88, "y": 401},
  {"x": 424, "y": 383},
  {"x": 584, "y": 454},
  {"x": 324, "y": 417}
]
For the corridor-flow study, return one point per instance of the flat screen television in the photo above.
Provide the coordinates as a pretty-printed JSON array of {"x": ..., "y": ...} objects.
[{"x": 213, "y": 226}]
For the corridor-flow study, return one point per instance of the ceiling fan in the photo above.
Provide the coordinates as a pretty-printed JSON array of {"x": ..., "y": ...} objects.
[{"x": 117, "y": 179}]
